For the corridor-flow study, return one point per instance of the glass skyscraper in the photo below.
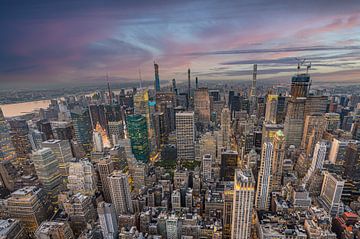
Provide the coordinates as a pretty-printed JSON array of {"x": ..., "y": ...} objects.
[
  {"x": 82, "y": 127},
  {"x": 138, "y": 132}
]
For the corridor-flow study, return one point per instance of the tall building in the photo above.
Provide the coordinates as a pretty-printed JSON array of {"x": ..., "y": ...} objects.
[
  {"x": 157, "y": 79},
  {"x": 82, "y": 177},
  {"x": 54, "y": 230},
  {"x": 278, "y": 160},
  {"x": 300, "y": 85},
  {"x": 189, "y": 90},
  {"x": 312, "y": 122},
  {"x": 271, "y": 109},
  {"x": 263, "y": 190},
  {"x": 338, "y": 150},
  {"x": 253, "y": 97},
  {"x": 332, "y": 121},
  {"x": 207, "y": 166},
  {"x": 82, "y": 127},
  {"x": 319, "y": 156},
  {"x": 47, "y": 170},
  {"x": 120, "y": 193},
  {"x": 331, "y": 191},
  {"x": 202, "y": 105},
  {"x": 172, "y": 227},
  {"x": 229, "y": 162},
  {"x": 36, "y": 138},
  {"x": 20, "y": 139},
  {"x": 108, "y": 220},
  {"x": 138, "y": 132},
  {"x": 116, "y": 131},
  {"x": 185, "y": 136},
  {"x": 352, "y": 159},
  {"x": 28, "y": 205},
  {"x": 7, "y": 150},
  {"x": 294, "y": 121},
  {"x": 100, "y": 139},
  {"x": 62, "y": 152},
  {"x": 80, "y": 210},
  {"x": 225, "y": 127},
  {"x": 243, "y": 202},
  {"x": 105, "y": 168}
]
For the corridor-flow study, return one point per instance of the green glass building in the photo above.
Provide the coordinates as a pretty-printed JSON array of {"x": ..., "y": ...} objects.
[{"x": 138, "y": 132}]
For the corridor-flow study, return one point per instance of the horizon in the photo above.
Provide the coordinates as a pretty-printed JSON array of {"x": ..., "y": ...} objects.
[{"x": 67, "y": 42}]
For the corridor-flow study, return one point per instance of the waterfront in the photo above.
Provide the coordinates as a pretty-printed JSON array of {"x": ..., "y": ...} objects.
[{"x": 18, "y": 109}]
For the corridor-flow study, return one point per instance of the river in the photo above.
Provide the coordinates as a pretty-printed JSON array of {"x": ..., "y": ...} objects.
[{"x": 18, "y": 109}]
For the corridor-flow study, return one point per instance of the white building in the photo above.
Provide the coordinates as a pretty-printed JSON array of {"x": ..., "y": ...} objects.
[
  {"x": 108, "y": 220},
  {"x": 82, "y": 177},
  {"x": 172, "y": 227},
  {"x": 264, "y": 182},
  {"x": 244, "y": 191},
  {"x": 120, "y": 193},
  {"x": 207, "y": 162}
]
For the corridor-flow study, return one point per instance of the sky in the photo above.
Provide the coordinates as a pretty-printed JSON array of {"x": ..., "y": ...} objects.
[{"x": 82, "y": 41}]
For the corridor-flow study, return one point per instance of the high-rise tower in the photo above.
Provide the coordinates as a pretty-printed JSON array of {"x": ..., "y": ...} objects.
[
  {"x": 189, "y": 88},
  {"x": 120, "y": 193},
  {"x": 244, "y": 190},
  {"x": 7, "y": 150},
  {"x": 185, "y": 136},
  {"x": 157, "y": 79},
  {"x": 253, "y": 98}
]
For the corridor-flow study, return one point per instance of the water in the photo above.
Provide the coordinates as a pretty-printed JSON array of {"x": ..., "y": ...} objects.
[{"x": 18, "y": 109}]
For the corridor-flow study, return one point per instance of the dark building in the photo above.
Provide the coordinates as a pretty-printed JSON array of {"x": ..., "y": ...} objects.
[
  {"x": 45, "y": 127},
  {"x": 19, "y": 137},
  {"x": 229, "y": 162}
]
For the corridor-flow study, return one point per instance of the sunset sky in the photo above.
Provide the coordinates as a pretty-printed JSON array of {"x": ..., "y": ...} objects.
[{"x": 81, "y": 41}]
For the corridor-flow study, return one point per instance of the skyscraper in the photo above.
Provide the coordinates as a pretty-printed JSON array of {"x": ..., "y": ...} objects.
[
  {"x": 229, "y": 162},
  {"x": 294, "y": 121},
  {"x": 263, "y": 190},
  {"x": 82, "y": 127},
  {"x": 278, "y": 160},
  {"x": 319, "y": 156},
  {"x": 207, "y": 166},
  {"x": 105, "y": 168},
  {"x": 189, "y": 89},
  {"x": 62, "y": 152},
  {"x": 138, "y": 132},
  {"x": 120, "y": 193},
  {"x": 108, "y": 220},
  {"x": 116, "y": 131},
  {"x": 82, "y": 178},
  {"x": 244, "y": 190},
  {"x": 271, "y": 109},
  {"x": 202, "y": 105},
  {"x": 185, "y": 136},
  {"x": 331, "y": 191},
  {"x": 157, "y": 79},
  {"x": 225, "y": 127},
  {"x": 7, "y": 151},
  {"x": 28, "y": 205},
  {"x": 300, "y": 85},
  {"x": 47, "y": 170},
  {"x": 313, "y": 121},
  {"x": 19, "y": 137}
]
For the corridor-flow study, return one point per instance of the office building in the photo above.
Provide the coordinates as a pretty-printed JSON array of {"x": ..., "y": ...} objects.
[
  {"x": 116, "y": 131},
  {"x": 28, "y": 205},
  {"x": 202, "y": 105},
  {"x": 62, "y": 152},
  {"x": 120, "y": 193},
  {"x": 82, "y": 127},
  {"x": 185, "y": 136},
  {"x": 47, "y": 170},
  {"x": 313, "y": 122},
  {"x": 338, "y": 150},
  {"x": 271, "y": 109},
  {"x": 105, "y": 168},
  {"x": 172, "y": 227},
  {"x": 80, "y": 210},
  {"x": 294, "y": 120},
  {"x": 108, "y": 220},
  {"x": 264, "y": 182},
  {"x": 243, "y": 202},
  {"x": 54, "y": 230},
  {"x": 12, "y": 229},
  {"x": 207, "y": 162},
  {"x": 7, "y": 150},
  {"x": 300, "y": 85},
  {"x": 226, "y": 127},
  {"x": 332, "y": 121},
  {"x": 157, "y": 78},
  {"x": 278, "y": 160},
  {"x": 229, "y": 162},
  {"x": 19, "y": 131},
  {"x": 138, "y": 133},
  {"x": 331, "y": 192},
  {"x": 82, "y": 177},
  {"x": 36, "y": 138}
]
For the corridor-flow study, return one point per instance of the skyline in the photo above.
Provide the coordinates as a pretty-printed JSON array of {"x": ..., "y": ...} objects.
[{"x": 81, "y": 42}]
